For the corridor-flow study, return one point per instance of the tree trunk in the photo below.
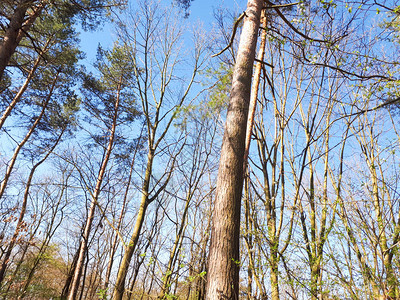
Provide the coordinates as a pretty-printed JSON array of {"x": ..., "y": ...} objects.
[
  {"x": 254, "y": 89},
  {"x": 86, "y": 233},
  {"x": 115, "y": 242},
  {"x": 130, "y": 248},
  {"x": 21, "y": 91},
  {"x": 223, "y": 263},
  {"x": 16, "y": 30},
  {"x": 392, "y": 291}
]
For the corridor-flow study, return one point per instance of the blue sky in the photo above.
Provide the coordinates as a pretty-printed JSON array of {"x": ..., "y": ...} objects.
[{"x": 200, "y": 10}]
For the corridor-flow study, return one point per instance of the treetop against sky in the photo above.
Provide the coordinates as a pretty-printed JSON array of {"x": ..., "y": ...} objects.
[{"x": 201, "y": 12}]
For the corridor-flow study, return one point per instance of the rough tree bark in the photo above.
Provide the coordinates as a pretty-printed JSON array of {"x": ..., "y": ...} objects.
[
  {"x": 18, "y": 25},
  {"x": 223, "y": 261}
]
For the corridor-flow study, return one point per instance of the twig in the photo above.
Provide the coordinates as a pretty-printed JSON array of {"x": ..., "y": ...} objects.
[
  {"x": 282, "y": 5},
  {"x": 233, "y": 34},
  {"x": 263, "y": 62}
]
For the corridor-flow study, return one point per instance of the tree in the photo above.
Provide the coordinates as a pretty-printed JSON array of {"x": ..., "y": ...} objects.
[
  {"x": 155, "y": 35},
  {"x": 109, "y": 101},
  {"x": 23, "y": 16},
  {"x": 223, "y": 260},
  {"x": 192, "y": 167},
  {"x": 14, "y": 30},
  {"x": 53, "y": 105},
  {"x": 366, "y": 209}
]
